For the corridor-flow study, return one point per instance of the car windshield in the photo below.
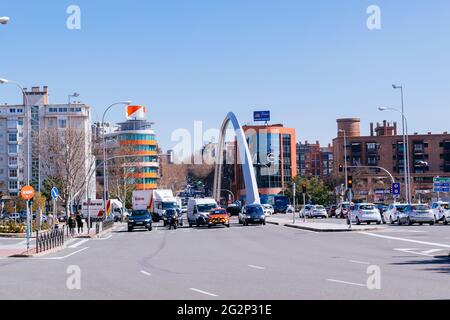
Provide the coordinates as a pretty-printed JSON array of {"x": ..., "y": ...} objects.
[
  {"x": 366, "y": 207},
  {"x": 401, "y": 208},
  {"x": 206, "y": 207},
  {"x": 421, "y": 207},
  {"x": 139, "y": 213},
  {"x": 255, "y": 210},
  {"x": 218, "y": 212},
  {"x": 169, "y": 205},
  {"x": 320, "y": 207},
  {"x": 345, "y": 205},
  {"x": 445, "y": 206}
]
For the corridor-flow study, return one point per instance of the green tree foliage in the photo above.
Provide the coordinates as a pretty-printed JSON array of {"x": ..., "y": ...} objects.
[{"x": 317, "y": 191}]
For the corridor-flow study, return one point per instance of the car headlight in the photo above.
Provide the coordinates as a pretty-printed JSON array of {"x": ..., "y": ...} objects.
[{"x": 147, "y": 220}]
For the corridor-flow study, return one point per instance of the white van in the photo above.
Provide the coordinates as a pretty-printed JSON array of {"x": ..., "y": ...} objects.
[{"x": 198, "y": 210}]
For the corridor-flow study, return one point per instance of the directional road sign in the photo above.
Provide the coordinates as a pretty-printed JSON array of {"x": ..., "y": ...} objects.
[{"x": 54, "y": 193}]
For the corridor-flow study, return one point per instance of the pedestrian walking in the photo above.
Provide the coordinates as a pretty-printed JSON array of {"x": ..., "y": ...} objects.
[
  {"x": 72, "y": 224},
  {"x": 50, "y": 221},
  {"x": 79, "y": 220}
]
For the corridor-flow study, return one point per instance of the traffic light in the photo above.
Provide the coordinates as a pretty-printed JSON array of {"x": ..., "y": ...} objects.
[
  {"x": 341, "y": 168},
  {"x": 350, "y": 182},
  {"x": 304, "y": 187},
  {"x": 31, "y": 201}
]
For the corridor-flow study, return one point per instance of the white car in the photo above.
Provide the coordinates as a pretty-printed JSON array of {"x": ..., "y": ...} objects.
[
  {"x": 317, "y": 212},
  {"x": 441, "y": 211},
  {"x": 365, "y": 212},
  {"x": 306, "y": 210},
  {"x": 395, "y": 213},
  {"x": 268, "y": 209},
  {"x": 342, "y": 210},
  {"x": 290, "y": 209}
]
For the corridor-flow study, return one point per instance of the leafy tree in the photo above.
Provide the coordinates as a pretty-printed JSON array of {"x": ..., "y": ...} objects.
[{"x": 317, "y": 191}]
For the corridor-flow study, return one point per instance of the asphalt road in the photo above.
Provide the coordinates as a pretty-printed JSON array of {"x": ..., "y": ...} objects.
[{"x": 254, "y": 262}]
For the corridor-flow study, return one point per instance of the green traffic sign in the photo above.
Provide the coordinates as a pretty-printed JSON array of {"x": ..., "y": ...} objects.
[{"x": 441, "y": 180}]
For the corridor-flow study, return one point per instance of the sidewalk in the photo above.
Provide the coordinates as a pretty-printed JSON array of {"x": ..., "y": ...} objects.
[{"x": 325, "y": 225}]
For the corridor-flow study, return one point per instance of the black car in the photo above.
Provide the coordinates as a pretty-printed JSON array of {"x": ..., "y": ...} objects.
[
  {"x": 140, "y": 219},
  {"x": 234, "y": 209},
  {"x": 252, "y": 213}
]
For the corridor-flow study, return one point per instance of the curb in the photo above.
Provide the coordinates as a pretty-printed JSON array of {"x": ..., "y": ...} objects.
[{"x": 17, "y": 235}]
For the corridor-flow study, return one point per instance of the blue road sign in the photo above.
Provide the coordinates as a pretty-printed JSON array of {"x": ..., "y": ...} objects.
[
  {"x": 55, "y": 192},
  {"x": 261, "y": 116},
  {"x": 396, "y": 188}
]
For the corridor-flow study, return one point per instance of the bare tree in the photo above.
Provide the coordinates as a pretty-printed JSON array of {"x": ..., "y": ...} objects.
[{"x": 66, "y": 160}]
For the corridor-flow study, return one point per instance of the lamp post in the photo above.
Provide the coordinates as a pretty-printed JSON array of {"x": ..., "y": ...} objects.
[
  {"x": 405, "y": 152},
  {"x": 28, "y": 159},
  {"x": 105, "y": 179}
]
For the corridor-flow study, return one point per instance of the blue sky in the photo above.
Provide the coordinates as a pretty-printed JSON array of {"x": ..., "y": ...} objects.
[{"x": 309, "y": 62}]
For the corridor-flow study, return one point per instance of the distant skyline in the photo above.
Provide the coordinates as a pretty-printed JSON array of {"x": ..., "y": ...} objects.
[{"x": 309, "y": 62}]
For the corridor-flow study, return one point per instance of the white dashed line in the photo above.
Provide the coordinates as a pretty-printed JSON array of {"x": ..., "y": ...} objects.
[
  {"x": 204, "y": 292},
  {"x": 359, "y": 262},
  {"x": 255, "y": 267},
  {"x": 146, "y": 273},
  {"x": 346, "y": 282}
]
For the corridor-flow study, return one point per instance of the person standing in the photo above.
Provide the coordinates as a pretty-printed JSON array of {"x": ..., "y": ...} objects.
[
  {"x": 79, "y": 220},
  {"x": 71, "y": 223},
  {"x": 50, "y": 221}
]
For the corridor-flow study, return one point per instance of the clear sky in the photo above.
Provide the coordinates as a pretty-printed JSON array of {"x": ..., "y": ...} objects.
[{"x": 310, "y": 62}]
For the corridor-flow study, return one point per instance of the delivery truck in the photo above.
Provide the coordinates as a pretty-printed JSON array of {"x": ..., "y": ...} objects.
[{"x": 155, "y": 201}]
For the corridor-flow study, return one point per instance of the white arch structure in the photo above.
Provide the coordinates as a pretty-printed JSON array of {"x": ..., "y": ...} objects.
[{"x": 251, "y": 186}]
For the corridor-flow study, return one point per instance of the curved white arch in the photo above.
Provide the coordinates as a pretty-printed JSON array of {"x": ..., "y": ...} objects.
[{"x": 251, "y": 186}]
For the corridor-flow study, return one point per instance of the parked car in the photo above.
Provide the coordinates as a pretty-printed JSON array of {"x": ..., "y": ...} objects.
[
  {"x": 417, "y": 213},
  {"x": 268, "y": 209},
  {"x": 233, "y": 209},
  {"x": 393, "y": 212},
  {"x": 140, "y": 219},
  {"x": 332, "y": 210},
  {"x": 252, "y": 213},
  {"x": 382, "y": 207},
  {"x": 342, "y": 210},
  {"x": 441, "y": 211},
  {"x": 317, "y": 211},
  {"x": 290, "y": 209},
  {"x": 304, "y": 212},
  {"x": 365, "y": 212}
]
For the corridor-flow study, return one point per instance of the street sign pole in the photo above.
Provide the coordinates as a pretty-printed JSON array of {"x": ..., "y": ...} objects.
[
  {"x": 28, "y": 225},
  {"x": 293, "y": 212},
  {"x": 304, "y": 205}
]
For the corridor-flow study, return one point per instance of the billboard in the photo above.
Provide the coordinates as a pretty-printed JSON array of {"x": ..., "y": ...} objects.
[
  {"x": 136, "y": 112},
  {"x": 261, "y": 116}
]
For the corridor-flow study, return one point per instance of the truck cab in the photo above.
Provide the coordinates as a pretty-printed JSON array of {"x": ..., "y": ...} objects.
[{"x": 199, "y": 209}]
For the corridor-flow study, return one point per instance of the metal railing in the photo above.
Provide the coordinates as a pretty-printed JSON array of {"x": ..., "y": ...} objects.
[{"x": 49, "y": 239}]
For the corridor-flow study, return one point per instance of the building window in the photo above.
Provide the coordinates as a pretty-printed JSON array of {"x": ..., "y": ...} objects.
[
  {"x": 371, "y": 146},
  {"x": 12, "y": 137},
  {"x": 62, "y": 109},
  {"x": 13, "y": 173},
  {"x": 12, "y": 110},
  {"x": 62, "y": 123},
  {"x": 12, "y": 148},
  {"x": 13, "y": 185},
  {"x": 12, "y": 161}
]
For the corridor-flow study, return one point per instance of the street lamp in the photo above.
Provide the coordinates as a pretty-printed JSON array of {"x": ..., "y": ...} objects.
[
  {"x": 28, "y": 162},
  {"x": 105, "y": 180},
  {"x": 4, "y": 20},
  {"x": 405, "y": 152}
]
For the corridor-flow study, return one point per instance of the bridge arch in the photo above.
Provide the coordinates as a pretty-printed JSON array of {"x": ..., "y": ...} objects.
[{"x": 251, "y": 186}]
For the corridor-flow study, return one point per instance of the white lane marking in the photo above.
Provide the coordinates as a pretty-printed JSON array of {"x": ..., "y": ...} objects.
[
  {"x": 79, "y": 243},
  {"x": 407, "y": 240},
  {"x": 359, "y": 262},
  {"x": 416, "y": 251},
  {"x": 146, "y": 273},
  {"x": 256, "y": 267},
  {"x": 204, "y": 292},
  {"x": 346, "y": 282},
  {"x": 63, "y": 257}
]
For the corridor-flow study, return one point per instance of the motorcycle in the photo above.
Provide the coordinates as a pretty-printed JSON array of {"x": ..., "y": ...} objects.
[{"x": 172, "y": 221}]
